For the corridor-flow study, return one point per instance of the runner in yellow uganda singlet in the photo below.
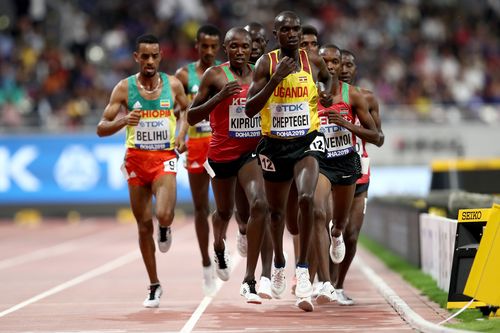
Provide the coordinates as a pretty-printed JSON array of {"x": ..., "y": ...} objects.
[{"x": 291, "y": 111}]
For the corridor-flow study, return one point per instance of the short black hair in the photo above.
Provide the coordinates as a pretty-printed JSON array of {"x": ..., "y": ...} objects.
[
  {"x": 347, "y": 52},
  {"x": 278, "y": 20},
  {"x": 331, "y": 46},
  {"x": 309, "y": 30},
  {"x": 208, "y": 29},
  {"x": 146, "y": 39}
]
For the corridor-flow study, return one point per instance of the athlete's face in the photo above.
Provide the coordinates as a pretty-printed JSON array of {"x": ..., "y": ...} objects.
[
  {"x": 348, "y": 68},
  {"x": 238, "y": 49},
  {"x": 309, "y": 43},
  {"x": 148, "y": 56},
  {"x": 207, "y": 46},
  {"x": 259, "y": 44},
  {"x": 288, "y": 33},
  {"x": 332, "y": 58}
]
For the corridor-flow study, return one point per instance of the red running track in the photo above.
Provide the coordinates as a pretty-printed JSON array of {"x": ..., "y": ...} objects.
[{"x": 89, "y": 277}]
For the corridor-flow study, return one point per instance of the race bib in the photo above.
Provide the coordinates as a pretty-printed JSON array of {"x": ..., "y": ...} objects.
[
  {"x": 290, "y": 119},
  {"x": 242, "y": 126},
  {"x": 152, "y": 134},
  {"x": 170, "y": 165},
  {"x": 203, "y": 127}
]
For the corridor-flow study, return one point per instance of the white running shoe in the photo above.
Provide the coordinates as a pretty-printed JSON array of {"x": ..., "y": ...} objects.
[
  {"x": 247, "y": 290},
  {"x": 326, "y": 294},
  {"x": 209, "y": 285},
  {"x": 305, "y": 304},
  {"x": 304, "y": 287},
  {"x": 278, "y": 280},
  {"x": 337, "y": 246},
  {"x": 264, "y": 290},
  {"x": 316, "y": 288},
  {"x": 342, "y": 297},
  {"x": 164, "y": 238},
  {"x": 241, "y": 243},
  {"x": 222, "y": 262},
  {"x": 154, "y": 294}
]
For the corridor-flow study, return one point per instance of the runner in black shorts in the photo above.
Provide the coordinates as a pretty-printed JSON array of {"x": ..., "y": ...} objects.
[
  {"x": 284, "y": 92},
  {"x": 339, "y": 170}
]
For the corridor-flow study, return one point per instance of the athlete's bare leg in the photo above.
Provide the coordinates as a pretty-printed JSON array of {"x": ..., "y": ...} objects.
[
  {"x": 199, "y": 183},
  {"x": 352, "y": 231},
  {"x": 251, "y": 181},
  {"x": 141, "y": 205},
  {"x": 224, "y": 190}
]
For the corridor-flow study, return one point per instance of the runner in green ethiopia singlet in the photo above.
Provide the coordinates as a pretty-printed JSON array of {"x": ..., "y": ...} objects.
[
  {"x": 201, "y": 129},
  {"x": 156, "y": 129}
]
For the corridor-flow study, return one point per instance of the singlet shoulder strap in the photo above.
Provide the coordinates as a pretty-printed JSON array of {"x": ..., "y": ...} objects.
[
  {"x": 304, "y": 59},
  {"x": 227, "y": 71},
  {"x": 345, "y": 92},
  {"x": 273, "y": 61}
]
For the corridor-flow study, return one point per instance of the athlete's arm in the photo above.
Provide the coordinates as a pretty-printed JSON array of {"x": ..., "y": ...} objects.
[
  {"x": 108, "y": 124},
  {"x": 182, "y": 76},
  {"x": 373, "y": 108},
  {"x": 181, "y": 102},
  {"x": 326, "y": 79},
  {"x": 262, "y": 85},
  {"x": 367, "y": 131},
  {"x": 210, "y": 94}
]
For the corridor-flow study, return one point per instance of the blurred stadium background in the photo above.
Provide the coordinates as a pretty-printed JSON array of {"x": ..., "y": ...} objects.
[{"x": 434, "y": 65}]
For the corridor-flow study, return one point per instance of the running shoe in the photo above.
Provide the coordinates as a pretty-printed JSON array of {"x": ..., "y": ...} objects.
[
  {"x": 264, "y": 290},
  {"x": 337, "y": 246},
  {"x": 222, "y": 263},
  {"x": 164, "y": 238},
  {"x": 278, "y": 280},
  {"x": 247, "y": 290},
  {"x": 305, "y": 304},
  {"x": 342, "y": 298},
  {"x": 304, "y": 287},
  {"x": 241, "y": 243},
  {"x": 326, "y": 294},
  {"x": 209, "y": 285},
  {"x": 154, "y": 294}
]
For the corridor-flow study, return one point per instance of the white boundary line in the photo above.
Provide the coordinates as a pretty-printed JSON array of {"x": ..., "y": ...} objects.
[
  {"x": 37, "y": 254},
  {"x": 410, "y": 316},
  {"x": 189, "y": 325},
  {"x": 118, "y": 262},
  {"x": 54, "y": 250}
]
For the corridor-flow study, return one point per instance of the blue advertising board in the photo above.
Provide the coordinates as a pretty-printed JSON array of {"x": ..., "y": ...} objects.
[{"x": 67, "y": 168}]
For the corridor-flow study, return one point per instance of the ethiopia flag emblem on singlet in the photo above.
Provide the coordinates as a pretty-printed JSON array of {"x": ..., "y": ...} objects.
[{"x": 165, "y": 103}]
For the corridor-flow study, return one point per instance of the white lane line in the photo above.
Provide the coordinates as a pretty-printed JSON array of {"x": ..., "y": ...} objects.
[
  {"x": 399, "y": 305},
  {"x": 118, "y": 262},
  {"x": 47, "y": 252},
  {"x": 38, "y": 254},
  {"x": 190, "y": 324}
]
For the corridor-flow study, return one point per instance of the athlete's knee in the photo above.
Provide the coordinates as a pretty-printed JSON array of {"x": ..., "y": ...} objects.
[
  {"x": 224, "y": 214},
  {"x": 259, "y": 208},
  {"x": 351, "y": 238},
  {"x": 165, "y": 216},
  {"x": 319, "y": 215},
  {"x": 145, "y": 228},
  {"x": 305, "y": 199},
  {"x": 201, "y": 212}
]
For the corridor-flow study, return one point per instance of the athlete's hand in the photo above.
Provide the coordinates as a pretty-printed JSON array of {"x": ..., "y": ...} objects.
[
  {"x": 335, "y": 118},
  {"x": 180, "y": 144},
  {"x": 133, "y": 117},
  {"x": 230, "y": 89},
  {"x": 325, "y": 98},
  {"x": 285, "y": 67}
]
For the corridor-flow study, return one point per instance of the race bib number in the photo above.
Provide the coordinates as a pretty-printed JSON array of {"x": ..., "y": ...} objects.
[
  {"x": 318, "y": 144},
  {"x": 170, "y": 165},
  {"x": 290, "y": 119},
  {"x": 152, "y": 134},
  {"x": 242, "y": 126},
  {"x": 266, "y": 164}
]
